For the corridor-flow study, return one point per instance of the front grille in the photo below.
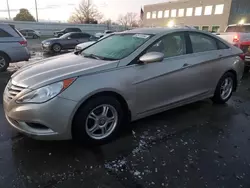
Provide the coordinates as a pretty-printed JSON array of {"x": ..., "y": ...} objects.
[
  {"x": 245, "y": 48},
  {"x": 13, "y": 89}
]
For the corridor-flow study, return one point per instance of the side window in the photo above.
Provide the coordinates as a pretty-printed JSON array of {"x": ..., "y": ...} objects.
[
  {"x": 4, "y": 34},
  {"x": 74, "y": 36},
  {"x": 221, "y": 45},
  {"x": 202, "y": 43},
  {"x": 170, "y": 45},
  {"x": 85, "y": 35}
]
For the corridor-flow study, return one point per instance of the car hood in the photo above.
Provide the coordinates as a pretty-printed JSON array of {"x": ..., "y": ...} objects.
[{"x": 59, "y": 68}]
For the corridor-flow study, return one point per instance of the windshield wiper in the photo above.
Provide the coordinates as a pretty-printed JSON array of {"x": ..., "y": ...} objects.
[
  {"x": 98, "y": 57},
  {"x": 93, "y": 56}
]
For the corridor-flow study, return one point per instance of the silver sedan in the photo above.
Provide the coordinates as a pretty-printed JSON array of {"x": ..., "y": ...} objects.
[{"x": 90, "y": 95}]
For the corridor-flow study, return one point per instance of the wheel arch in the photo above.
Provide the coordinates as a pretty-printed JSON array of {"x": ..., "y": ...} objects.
[
  {"x": 2, "y": 52},
  {"x": 114, "y": 94}
]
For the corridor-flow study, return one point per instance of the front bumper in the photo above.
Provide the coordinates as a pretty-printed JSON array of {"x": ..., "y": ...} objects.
[
  {"x": 55, "y": 115},
  {"x": 46, "y": 48}
]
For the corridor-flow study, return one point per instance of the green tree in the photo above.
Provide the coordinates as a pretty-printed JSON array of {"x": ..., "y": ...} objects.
[{"x": 24, "y": 15}]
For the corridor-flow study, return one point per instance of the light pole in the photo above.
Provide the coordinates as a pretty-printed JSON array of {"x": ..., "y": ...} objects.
[
  {"x": 8, "y": 9},
  {"x": 36, "y": 11}
]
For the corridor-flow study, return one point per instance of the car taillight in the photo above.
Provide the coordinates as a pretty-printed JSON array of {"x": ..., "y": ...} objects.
[
  {"x": 23, "y": 42},
  {"x": 242, "y": 56},
  {"x": 236, "y": 38}
]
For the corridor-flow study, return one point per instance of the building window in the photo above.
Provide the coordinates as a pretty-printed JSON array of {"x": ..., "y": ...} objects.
[
  {"x": 154, "y": 14},
  {"x": 148, "y": 15},
  {"x": 160, "y": 14},
  {"x": 219, "y": 9},
  {"x": 215, "y": 29},
  {"x": 198, "y": 11},
  {"x": 166, "y": 14},
  {"x": 197, "y": 27},
  {"x": 208, "y": 10},
  {"x": 189, "y": 12},
  {"x": 173, "y": 13},
  {"x": 181, "y": 12},
  {"x": 205, "y": 28}
]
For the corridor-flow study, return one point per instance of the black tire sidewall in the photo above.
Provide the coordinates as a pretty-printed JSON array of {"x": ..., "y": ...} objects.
[
  {"x": 54, "y": 50},
  {"x": 78, "y": 127},
  {"x": 217, "y": 95},
  {"x": 7, "y": 61}
]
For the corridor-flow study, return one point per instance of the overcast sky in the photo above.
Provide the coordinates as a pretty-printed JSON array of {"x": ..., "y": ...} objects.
[{"x": 62, "y": 9}]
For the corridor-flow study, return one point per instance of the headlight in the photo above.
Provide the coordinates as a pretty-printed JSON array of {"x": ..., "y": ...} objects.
[
  {"x": 47, "y": 43},
  {"x": 45, "y": 93}
]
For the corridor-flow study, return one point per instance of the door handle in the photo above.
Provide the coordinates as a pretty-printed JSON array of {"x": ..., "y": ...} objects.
[{"x": 220, "y": 56}]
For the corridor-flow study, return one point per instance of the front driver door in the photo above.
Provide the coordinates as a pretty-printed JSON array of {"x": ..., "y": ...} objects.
[{"x": 165, "y": 83}]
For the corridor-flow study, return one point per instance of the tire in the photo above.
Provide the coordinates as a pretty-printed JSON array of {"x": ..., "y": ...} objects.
[
  {"x": 56, "y": 48},
  {"x": 4, "y": 62},
  {"x": 35, "y": 36},
  {"x": 246, "y": 70},
  {"x": 83, "y": 123},
  {"x": 218, "y": 97}
]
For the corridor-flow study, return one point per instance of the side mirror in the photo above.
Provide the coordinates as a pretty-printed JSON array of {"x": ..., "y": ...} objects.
[
  {"x": 69, "y": 38},
  {"x": 152, "y": 57}
]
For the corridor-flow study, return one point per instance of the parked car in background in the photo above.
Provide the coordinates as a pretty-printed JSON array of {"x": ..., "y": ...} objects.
[
  {"x": 13, "y": 46},
  {"x": 66, "y": 30},
  {"x": 65, "y": 42},
  {"x": 239, "y": 36},
  {"x": 100, "y": 35},
  {"x": 81, "y": 46},
  {"x": 242, "y": 28},
  {"x": 124, "y": 77},
  {"x": 30, "y": 33}
]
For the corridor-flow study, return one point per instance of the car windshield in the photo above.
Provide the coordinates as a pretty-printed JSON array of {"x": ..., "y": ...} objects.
[
  {"x": 239, "y": 28},
  {"x": 116, "y": 47},
  {"x": 65, "y": 36}
]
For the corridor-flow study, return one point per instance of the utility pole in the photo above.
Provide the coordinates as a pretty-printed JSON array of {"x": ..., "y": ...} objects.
[
  {"x": 8, "y": 9},
  {"x": 36, "y": 11}
]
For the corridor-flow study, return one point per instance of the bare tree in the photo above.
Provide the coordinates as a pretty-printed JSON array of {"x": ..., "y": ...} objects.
[
  {"x": 128, "y": 20},
  {"x": 86, "y": 12}
]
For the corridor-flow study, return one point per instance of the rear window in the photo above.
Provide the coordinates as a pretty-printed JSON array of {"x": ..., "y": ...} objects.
[
  {"x": 4, "y": 34},
  {"x": 239, "y": 28}
]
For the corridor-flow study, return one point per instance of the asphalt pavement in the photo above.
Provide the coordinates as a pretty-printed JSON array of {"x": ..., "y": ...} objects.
[{"x": 198, "y": 145}]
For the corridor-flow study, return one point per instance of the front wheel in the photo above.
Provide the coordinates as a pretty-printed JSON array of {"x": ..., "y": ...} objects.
[
  {"x": 56, "y": 48},
  {"x": 224, "y": 89},
  {"x": 98, "y": 121}
]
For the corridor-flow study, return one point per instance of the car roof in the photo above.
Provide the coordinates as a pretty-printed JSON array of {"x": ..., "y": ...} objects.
[
  {"x": 74, "y": 32},
  {"x": 159, "y": 30}
]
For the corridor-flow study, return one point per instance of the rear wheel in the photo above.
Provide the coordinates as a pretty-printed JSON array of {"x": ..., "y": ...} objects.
[
  {"x": 56, "y": 48},
  {"x": 98, "y": 121},
  {"x": 224, "y": 89},
  {"x": 35, "y": 36},
  {"x": 4, "y": 62}
]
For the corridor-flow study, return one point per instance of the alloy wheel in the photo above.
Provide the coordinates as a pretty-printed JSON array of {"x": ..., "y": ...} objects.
[
  {"x": 101, "y": 121},
  {"x": 226, "y": 88}
]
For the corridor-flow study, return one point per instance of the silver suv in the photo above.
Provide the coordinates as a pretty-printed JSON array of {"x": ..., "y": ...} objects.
[{"x": 13, "y": 46}]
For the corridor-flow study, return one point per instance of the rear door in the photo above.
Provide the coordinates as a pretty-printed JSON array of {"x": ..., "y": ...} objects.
[{"x": 207, "y": 61}]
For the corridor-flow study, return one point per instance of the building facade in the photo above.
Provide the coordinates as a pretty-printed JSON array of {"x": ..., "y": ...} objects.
[{"x": 210, "y": 15}]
